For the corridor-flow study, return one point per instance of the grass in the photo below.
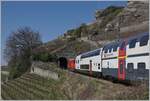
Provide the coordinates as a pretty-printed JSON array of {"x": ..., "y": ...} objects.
[{"x": 140, "y": 92}]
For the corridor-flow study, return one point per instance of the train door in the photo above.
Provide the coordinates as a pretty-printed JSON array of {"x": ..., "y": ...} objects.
[
  {"x": 122, "y": 61},
  {"x": 90, "y": 69}
]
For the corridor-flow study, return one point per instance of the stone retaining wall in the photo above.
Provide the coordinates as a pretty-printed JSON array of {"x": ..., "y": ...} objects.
[{"x": 44, "y": 73}]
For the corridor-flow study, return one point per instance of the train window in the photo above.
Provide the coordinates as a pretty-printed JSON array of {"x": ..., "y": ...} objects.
[
  {"x": 144, "y": 40},
  {"x": 97, "y": 52},
  {"x": 90, "y": 54},
  {"x": 141, "y": 64},
  {"x": 105, "y": 50},
  {"x": 122, "y": 46},
  {"x": 84, "y": 66},
  {"x": 83, "y": 56},
  {"x": 130, "y": 67},
  {"x": 115, "y": 47},
  {"x": 132, "y": 43},
  {"x": 141, "y": 67},
  {"x": 110, "y": 48}
]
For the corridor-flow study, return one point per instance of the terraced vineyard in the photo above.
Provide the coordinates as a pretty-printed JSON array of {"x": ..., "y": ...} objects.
[
  {"x": 29, "y": 86},
  {"x": 69, "y": 86}
]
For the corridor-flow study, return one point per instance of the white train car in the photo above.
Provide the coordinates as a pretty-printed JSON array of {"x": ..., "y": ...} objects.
[
  {"x": 89, "y": 62},
  {"x": 138, "y": 57},
  {"x": 110, "y": 60},
  {"x": 128, "y": 59}
]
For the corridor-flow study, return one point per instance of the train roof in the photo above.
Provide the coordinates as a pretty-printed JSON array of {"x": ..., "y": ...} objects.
[
  {"x": 90, "y": 51},
  {"x": 138, "y": 37}
]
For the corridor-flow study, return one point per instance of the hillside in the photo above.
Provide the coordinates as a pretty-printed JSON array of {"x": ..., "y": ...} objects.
[
  {"x": 111, "y": 24},
  {"x": 69, "y": 86},
  {"x": 132, "y": 20}
]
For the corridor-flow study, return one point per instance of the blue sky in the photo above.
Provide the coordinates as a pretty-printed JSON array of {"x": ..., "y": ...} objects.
[{"x": 50, "y": 18}]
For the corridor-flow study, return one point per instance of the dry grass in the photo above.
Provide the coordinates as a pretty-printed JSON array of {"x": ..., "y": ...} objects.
[
  {"x": 136, "y": 92},
  {"x": 73, "y": 86}
]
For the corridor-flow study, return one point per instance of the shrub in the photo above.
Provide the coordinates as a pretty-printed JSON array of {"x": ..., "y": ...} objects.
[
  {"x": 15, "y": 71},
  {"x": 45, "y": 57},
  {"x": 36, "y": 57}
]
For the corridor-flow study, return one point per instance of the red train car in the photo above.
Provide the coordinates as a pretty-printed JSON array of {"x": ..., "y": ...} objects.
[{"x": 71, "y": 64}]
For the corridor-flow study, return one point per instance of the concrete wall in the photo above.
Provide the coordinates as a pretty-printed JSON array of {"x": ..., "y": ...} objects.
[{"x": 44, "y": 73}]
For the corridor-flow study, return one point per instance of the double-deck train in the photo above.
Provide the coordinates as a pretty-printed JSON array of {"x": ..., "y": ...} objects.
[{"x": 126, "y": 59}]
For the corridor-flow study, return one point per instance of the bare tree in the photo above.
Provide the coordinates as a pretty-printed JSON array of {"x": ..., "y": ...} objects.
[{"x": 19, "y": 47}]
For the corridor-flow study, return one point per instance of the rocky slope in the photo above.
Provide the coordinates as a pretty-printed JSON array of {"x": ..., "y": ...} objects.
[
  {"x": 132, "y": 20},
  {"x": 136, "y": 12}
]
